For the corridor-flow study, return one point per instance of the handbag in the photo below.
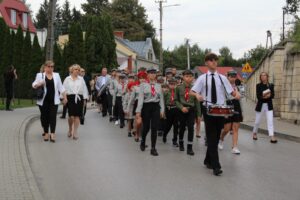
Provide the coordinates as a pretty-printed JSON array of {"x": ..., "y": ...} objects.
[{"x": 39, "y": 92}]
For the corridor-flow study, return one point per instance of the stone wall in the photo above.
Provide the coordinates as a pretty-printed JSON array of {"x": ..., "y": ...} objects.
[{"x": 284, "y": 72}]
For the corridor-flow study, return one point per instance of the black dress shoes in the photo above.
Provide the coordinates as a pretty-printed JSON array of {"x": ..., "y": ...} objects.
[
  {"x": 142, "y": 147},
  {"x": 217, "y": 172},
  {"x": 154, "y": 152},
  {"x": 273, "y": 141},
  {"x": 181, "y": 148},
  {"x": 190, "y": 152}
]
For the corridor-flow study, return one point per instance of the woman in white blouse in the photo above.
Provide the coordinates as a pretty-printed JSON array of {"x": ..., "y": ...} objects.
[
  {"x": 76, "y": 92},
  {"x": 48, "y": 105}
]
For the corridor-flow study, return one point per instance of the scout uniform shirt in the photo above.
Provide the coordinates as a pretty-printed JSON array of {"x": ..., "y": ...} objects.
[
  {"x": 150, "y": 93},
  {"x": 119, "y": 91},
  {"x": 184, "y": 99},
  {"x": 169, "y": 97}
]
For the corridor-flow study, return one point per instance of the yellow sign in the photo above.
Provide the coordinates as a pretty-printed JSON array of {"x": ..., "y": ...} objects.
[{"x": 247, "y": 68}]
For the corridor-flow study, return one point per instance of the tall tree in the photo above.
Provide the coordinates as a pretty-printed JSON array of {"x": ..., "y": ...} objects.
[
  {"x": 75, "y": 48},
  {"x": 17, "y": 54},
  {"x": 110, "y": 43},
  {"x": 66, "y": 16},
  {"x": 95, "y": 7},
  {"x": 57, "y": 58},
  {"x": 292, "y": 6},
  {"x": 130, "y": 16},
  {"x": 226, "y": 58},
  {"x": 41, "y": 18},
  {"x": 26, "y": 55},
  {"x": 36, "y": 57},
  {"x": 76, "y": 15}
]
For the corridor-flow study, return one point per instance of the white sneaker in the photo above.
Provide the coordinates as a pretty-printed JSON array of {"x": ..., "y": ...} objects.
[
  {"x": 221, "y": 145},
  {"x": 117, "y": 122},
  {"x": 235, "y": 150}
]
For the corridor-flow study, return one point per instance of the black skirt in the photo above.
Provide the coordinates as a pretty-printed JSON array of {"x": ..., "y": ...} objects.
[
  {"x": 75, "y": 109},
  {"x": 238, "y": 116}
]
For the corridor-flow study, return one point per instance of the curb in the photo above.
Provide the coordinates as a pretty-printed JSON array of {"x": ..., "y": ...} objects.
[
  {"x": 31, "y": 180},
  {"x": 278, "y": 134}
]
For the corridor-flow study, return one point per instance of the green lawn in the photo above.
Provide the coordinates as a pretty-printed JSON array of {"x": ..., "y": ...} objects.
[{"x": 16, "y": 103}]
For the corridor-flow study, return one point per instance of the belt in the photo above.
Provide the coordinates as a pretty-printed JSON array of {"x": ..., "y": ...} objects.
[{"x": 171, "y": 107}]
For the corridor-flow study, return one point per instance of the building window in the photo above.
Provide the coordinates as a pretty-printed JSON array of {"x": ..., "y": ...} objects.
[
  {"x": 25, "y": 20},
  {"x": 13, "y": 17}
]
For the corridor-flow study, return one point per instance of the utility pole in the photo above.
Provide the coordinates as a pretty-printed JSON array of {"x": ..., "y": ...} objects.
[
  {"x": 50, "y": 31},
  {"x": 161, "y": 7},
  {"x": 284, "y": 11},
  {"x": 161, "y": 61},
  {"x": 188, "y": 53}
]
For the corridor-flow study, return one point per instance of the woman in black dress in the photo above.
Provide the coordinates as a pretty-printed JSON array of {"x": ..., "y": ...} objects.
[{"x": 232, "y": 123}]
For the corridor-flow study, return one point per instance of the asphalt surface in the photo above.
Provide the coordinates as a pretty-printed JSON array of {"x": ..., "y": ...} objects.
[{"x": 105, "y": 164}]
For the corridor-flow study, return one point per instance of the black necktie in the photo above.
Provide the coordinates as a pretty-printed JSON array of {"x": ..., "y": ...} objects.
[{"x": 213, "y": 90}]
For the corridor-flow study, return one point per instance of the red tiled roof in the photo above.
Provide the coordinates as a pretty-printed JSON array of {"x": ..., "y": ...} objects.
[
  {"x": 221, "y": 70},
  {"x": 20, "y": 8}
]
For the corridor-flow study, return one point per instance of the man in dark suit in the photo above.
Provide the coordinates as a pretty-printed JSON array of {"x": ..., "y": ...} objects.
[{"x": 102, "y": 86}]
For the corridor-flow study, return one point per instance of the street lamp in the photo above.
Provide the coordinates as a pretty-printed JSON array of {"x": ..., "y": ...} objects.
[{"x": 161, "y": 7}]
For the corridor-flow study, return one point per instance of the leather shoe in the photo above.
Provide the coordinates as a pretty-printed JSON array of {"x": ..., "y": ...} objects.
[
  {"x": 190, "y": 152},
  {"x": 217, "y": 172},
  {"x": 273, "y": 141},
  {"x": 142, "y": 147},
  {"x": 154, "y": 152}
]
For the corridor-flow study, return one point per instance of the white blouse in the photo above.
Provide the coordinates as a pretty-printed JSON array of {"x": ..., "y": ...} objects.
[{"x": 76, "y": 87}]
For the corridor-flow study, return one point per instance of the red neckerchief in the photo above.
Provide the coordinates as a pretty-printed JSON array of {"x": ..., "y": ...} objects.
[
  {"x": 172, "y": 96},
  {"x": 153, "y": 92},
  {"x": 186, "y": 94}
]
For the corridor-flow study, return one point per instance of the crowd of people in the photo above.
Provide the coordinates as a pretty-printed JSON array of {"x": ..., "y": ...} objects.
[{"x": 150, "y": 102}]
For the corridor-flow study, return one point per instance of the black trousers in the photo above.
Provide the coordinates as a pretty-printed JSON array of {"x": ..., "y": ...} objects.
[
  {"x": 48, "y": 116},
  {"x": 187, "y": 120},
  {"x": 213, "y": 128},
  {"x": 119, "y": 110},
  {"x": 150, "y": 118},
  {"x": 109, "y": 104},
  {"x": 9, "y": 96},
  {"x": 172, "y": 120},
  {"x": 104, "y": 102}
]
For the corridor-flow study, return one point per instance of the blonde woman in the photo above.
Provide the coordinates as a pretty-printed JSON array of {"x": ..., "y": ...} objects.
[
  {"x": 49, "y": 103},
  {"x": 76, "y": 92},
  {"x": 265, "y": 94}
]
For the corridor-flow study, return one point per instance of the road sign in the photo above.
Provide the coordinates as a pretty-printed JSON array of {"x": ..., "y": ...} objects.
[
  {"x": 244, "y": 75},
  {"x": 247, "y": 68}
]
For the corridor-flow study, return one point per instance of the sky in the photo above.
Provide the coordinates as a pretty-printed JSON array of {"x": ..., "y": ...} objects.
[{"x": 238, "y": 24}]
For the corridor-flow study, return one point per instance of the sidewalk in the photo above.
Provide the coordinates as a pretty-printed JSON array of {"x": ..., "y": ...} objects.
[
  {"x": 16, "y": 178},
  {"x": 282, "y": 128}
]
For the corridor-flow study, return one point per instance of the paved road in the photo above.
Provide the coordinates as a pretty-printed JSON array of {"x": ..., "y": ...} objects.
[{"x": 105, "y": 164}]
